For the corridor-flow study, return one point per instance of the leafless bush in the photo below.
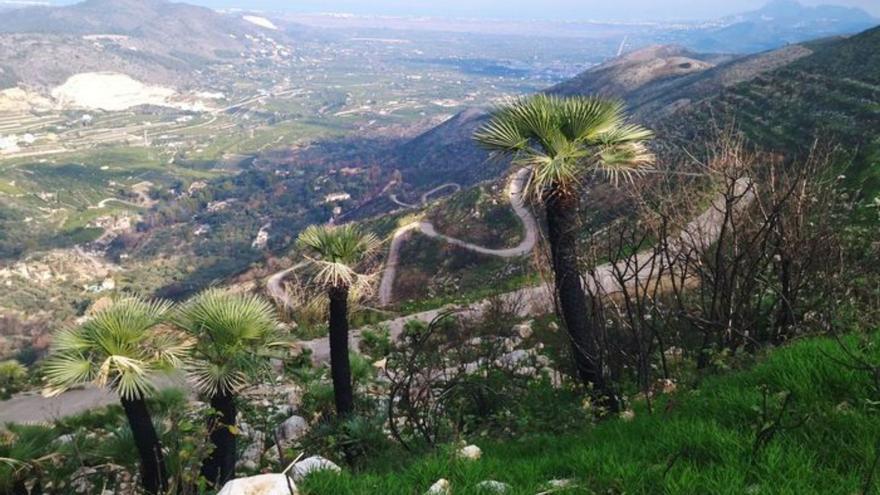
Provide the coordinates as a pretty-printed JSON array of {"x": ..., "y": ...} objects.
[
  {"x": 743, "y": 266},
  {"x": 456, "y": 368}
]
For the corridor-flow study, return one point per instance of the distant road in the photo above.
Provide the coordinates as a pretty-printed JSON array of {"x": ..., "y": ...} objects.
[
  {"x": 34, "y": 408},
  {"x": 401, "y": 235}
]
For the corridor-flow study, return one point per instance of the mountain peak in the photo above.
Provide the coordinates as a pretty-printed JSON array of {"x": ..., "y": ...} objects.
[{"x": 794, "y": 10}]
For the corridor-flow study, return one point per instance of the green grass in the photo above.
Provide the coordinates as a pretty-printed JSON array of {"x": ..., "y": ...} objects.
[{"x": 698, "y": 441}]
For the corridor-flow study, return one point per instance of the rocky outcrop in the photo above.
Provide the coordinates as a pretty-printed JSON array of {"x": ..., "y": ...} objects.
[
  {"x": 291, "y": 430},
  {"x": 311, "y": 465}
]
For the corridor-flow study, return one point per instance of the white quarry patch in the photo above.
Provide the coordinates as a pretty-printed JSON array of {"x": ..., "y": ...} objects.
[
  {"x": 261, "y": 21},
  {"x": 110, "y": 91}
]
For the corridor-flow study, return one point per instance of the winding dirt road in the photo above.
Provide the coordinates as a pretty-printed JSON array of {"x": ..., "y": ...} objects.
[{"x": 401, "y": 235}]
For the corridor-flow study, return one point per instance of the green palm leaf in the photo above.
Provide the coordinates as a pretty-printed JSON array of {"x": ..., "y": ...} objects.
[
  {"x": 563, "y": 139},
  {"x": 231, "y": 337},
  {"x": 122, "y": 347},
  {"x": 336, "y": 253}
]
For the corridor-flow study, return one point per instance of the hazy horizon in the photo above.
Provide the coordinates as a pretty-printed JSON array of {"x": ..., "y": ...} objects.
[{"x": 620, "y": 10}]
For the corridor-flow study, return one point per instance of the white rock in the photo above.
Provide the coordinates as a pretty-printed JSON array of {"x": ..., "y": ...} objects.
[
  {"x": 65, "y": 439},
  {"x": 471, "y": 453},
  {"x": 292, "y": 429},
  {"x": 264, "y": 484},
  {"x": 311, "y": 465},
  {"x": 524, "y": 330},
  {"x": 441, "y": 487},
  {"x": 492, "y": 486},
  {"x": 563, "y": 483},
  {"x": 515, "y": 359}
]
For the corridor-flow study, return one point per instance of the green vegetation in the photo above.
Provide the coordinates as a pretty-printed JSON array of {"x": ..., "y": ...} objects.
[
  {"x": 801, "y": 420},
  {"x": 120, "y": 348},
  {"x": 231, "y": 335},
  {"x": 335, "y": 255},
  {"x": 563, "y": 140}
]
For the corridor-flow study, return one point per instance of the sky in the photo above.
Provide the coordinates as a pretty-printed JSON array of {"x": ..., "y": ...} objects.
[{"x": 531, "y": 9}]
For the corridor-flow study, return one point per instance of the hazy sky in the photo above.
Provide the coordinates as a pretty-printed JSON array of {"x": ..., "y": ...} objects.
[{"x": 529, "y": 9}]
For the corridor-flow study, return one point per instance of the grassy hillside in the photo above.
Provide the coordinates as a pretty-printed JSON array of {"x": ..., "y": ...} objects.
[{"x": 721, "y": 438}]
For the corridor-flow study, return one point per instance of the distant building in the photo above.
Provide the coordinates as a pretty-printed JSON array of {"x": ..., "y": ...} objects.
[{"x": 336, "y": 197}]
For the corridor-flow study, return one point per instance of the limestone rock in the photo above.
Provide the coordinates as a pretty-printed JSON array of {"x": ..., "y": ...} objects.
[
  {"x": 311, "y": 465},
  {"x": 471, "y": 453},
  {"x": 524, "y": 330},
  {"x": 292, "y": 429},
  {"x": 250, "y": 457},
  {"x": 441, "y": 487},
  {"x": 492, "y": 486},
  {"x": 264, "y": 484}
]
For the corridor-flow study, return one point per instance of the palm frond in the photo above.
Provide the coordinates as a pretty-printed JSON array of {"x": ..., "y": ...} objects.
[
  {"x": 563, "y": 139},
  {"x": 336, "y": 252},
  {"x": 121, "y": 347},
  {"x": 229, "y": 333}
]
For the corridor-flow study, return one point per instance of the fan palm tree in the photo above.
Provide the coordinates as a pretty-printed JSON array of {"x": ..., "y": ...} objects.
[
  {"x": 123, "y": 347},
  {"x": 565, "y": 140},
  {"x": 335, "y": 254},
  {"x": 231, "y": 334}
]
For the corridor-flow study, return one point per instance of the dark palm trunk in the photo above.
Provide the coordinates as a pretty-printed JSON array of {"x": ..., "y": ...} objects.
[
  {"x": 340, "y": 368},
  {"x": 19, "y": 488},
  {"x": 219, "y": 467},
  {"x": 562, "y": 222},
  {"x": 154, "y": 475}
]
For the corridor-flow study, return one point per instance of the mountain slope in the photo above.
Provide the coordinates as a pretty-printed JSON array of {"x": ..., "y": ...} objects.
[
  {"x": 154, "y": 40},
  {"x": 831, "y": 95},
  {"x": 655, "y": 82}
]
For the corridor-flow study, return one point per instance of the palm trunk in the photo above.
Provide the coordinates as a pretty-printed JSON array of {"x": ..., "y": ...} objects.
[
  {"x": 19, "y": 488},
  {"x": 340, "y": 368},
  {"x": 219, "y": 467},
  {"x": 154, "y": 475},
  {"x": 562, "y": 221}
]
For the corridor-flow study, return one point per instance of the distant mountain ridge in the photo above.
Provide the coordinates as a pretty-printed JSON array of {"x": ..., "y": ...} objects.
[{"x": 782, "y": 22}]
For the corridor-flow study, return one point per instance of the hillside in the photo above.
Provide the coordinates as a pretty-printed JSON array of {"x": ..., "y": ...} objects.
[
  {"x": 783, "y": 100},
  {"x": 696, "y": 440},
  {"x": 153, "y": 40},
  {"x": 832, "y": 95},
  {"x": 654, "y": 82}
]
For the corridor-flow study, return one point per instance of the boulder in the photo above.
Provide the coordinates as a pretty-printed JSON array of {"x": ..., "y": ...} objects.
[
  {"x": 291, "y": 430},
  {"x": 515, "y": 359},
  {"x": 560, "y": 483},
  {"x": 311, "y": 465},
  {"x": 441, "y": 487},
  {"x": 264, "y": 484},
  {"x": 250, "y": 457},
  {"x": 492, "y": 486},
  {"x": 524, "y": 330},
  {"x": 471, "y": 453}
]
